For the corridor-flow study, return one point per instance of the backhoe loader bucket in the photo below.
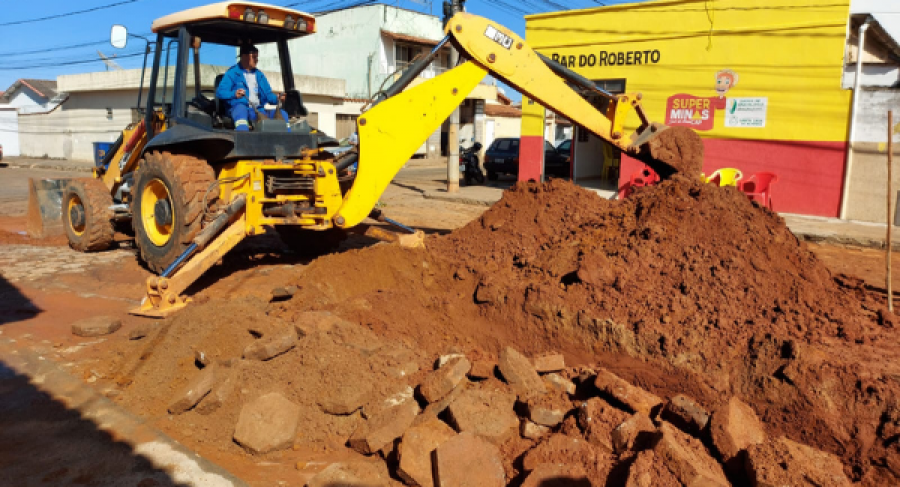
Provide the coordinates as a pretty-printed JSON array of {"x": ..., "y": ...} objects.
[{"x": 44, "y": 217}]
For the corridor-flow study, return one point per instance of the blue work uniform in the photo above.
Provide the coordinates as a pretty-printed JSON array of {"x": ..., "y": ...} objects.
[{"x": 243, "y": 110}]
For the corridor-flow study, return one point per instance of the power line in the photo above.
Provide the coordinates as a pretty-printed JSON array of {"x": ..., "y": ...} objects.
[
  {"x": 63, "y": 47},
  {"x": 67, "y": 63},
  {"x": 57, "y": 16}
]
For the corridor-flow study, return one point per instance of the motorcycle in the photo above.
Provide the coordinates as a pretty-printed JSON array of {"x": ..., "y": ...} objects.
[{"x": 469, "y": 166}]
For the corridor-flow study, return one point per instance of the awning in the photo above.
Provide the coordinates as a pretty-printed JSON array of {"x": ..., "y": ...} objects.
[{"x": 411, "y": 39}]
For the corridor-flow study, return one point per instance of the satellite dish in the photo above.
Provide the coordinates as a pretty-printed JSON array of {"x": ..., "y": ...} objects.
[{"x": 110, "y": 64}]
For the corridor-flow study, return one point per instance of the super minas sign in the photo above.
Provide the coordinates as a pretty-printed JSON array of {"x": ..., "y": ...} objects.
[{"x": 609, "y": 58}]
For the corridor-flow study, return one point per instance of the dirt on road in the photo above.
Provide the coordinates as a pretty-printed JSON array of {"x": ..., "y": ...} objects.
[{"x": 684, "y": 288}]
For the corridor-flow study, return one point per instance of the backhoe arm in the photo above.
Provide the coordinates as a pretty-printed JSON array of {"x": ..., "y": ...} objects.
[{"x": 392, "y": 130}]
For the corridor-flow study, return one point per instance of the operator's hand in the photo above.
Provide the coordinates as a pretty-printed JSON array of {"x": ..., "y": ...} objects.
[
  {"x": 240, "y": 93},
  {"x": 281, "y": 97}
]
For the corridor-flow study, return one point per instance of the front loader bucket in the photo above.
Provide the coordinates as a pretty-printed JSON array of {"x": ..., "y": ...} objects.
[{"x": 44, "y": 218}]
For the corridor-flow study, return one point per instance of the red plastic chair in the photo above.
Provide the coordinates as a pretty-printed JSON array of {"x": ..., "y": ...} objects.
[
  {"x": 759, "y": 187},
  {"x": 641, "y": 178}
]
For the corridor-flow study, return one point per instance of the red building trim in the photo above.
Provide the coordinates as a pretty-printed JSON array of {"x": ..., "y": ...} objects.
[
  {"x": 810, "y": 174},
  {"x": 531, "y": 157}
]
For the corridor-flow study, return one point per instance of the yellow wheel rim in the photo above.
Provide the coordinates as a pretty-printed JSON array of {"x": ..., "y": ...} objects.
[
  {"x": 158, "y": 232},
  {"x": 74, "y": 202}
]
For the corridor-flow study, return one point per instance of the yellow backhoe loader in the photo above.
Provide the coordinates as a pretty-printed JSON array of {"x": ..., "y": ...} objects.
[{"x": 193, "y": 188}]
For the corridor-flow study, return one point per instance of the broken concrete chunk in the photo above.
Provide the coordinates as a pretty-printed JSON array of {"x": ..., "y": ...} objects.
[
  {"x": 518, "y": 372},
  {"x": 488, "y": 414},
  {"x": 467, "y": 460},
  {"x": 352, "y": 474},
  {"x": 556, "y": 382},
  {"x": 639, "y": 400},
  {"x": 551, "y": 362},
  {"x": 416, "y": 449},
  {"x": 268, "y": 423},
  {"x": 194, "y": 391},
  {"x": 436, "y": 408},
  {"x": 281, "y": 293},
  {"x": 687, "y": 458},
  {"x": 635, "y": 433},
  {"x": 482, "y": 369},
  {"x": 443, "y": 359},
  {"x": 532, "y": 430},
  {"x": 397, "y": 394},
  {"x": 383, "y": 428},
  {"x": 781, "y": 461},
  {"x": 96, "y": 326},
  {"x": 438, "y": 383},
  {"x": 272, "y": 345},
  {"x": 734, "y": 427},
  {"x": 686, "y": 413},
  {"x": 559, "y": 448},
  {"x": 557, "y": 475}
]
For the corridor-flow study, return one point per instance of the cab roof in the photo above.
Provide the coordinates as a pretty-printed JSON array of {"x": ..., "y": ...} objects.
[{"x": 227, "y": 23}]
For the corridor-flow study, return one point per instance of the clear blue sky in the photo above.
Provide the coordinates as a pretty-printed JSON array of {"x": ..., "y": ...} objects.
[{"x": 39, "y": 49}]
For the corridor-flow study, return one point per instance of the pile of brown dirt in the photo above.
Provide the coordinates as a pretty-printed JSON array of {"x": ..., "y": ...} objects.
[{"x": 682, "y": 288}]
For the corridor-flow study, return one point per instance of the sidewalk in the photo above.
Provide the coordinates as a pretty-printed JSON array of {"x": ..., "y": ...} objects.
[{"x": 810, "y": 228}]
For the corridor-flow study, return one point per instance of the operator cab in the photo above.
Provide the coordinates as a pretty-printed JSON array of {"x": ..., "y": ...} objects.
[{"x": 182, "y": 88}]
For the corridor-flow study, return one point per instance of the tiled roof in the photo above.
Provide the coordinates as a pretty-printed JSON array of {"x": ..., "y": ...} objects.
[
  {"x": 502, "y": 111},
  {"x": 43, "y": 88}
]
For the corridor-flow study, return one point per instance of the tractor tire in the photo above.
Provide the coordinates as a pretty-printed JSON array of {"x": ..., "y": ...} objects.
[
  {"x": 311, "y": 243},
  {"x": 167, "y": 206},
  {"x": 86, "y": 215}
]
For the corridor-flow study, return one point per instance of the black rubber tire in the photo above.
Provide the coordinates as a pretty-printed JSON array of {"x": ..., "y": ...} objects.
[
  {"x": 311, "y": 243},
  {"x": 479, "y": 177},
  {"x": 93, "y": 198},
  {"x": 187, "y": 179},
  {"x": 492, "y": 176}
]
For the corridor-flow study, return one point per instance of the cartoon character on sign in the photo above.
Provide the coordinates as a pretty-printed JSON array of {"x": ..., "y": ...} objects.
[{"x": 726, "y": 79}]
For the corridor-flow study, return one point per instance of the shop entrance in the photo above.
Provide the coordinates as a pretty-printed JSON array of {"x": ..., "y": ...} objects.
[{"x": 596, "y": 162}]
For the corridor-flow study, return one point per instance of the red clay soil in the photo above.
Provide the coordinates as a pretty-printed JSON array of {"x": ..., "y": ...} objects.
[{"x": 682, "y": 288}]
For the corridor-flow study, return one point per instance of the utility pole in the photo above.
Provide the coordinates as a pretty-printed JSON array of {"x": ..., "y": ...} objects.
[{"x": 451, "y": 7}]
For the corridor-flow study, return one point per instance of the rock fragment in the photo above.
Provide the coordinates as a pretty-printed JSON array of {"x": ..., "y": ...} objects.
[
  {"x": 551, "y": 362},
  {"x": 688, "y": 459},
  {"x": 438, "y": 383},
  {"x": 648, "y": 470},
  {"x": 780, "y": 461},
  {"x": 267, "y": 424},
  {"x": 482, "y": 369},
  {"x": 195, "y": 390},
  {"x": 635, "y": 433},
  {"x": 734, "y": 427},
  {"x": 533, "y": 431},
  {"x": 271, "y": 345},
  {"x": 519, "y": 373},
  {"x": 488, "y": 414},
  {"x": 96, "y": 326},
  {"x": 467, "y": 460},
  {"x": 639, "y": 400},
  {"x": 547, "y": 409},
  {"x": 312, "y": 322},
  {"x": 416, "y": 449},
  {"x": 352, "y": 474},
  {"x": 556, "y": 382},
  {"x": 383, "y": 428},
  {"x": 686, "y": 413}
]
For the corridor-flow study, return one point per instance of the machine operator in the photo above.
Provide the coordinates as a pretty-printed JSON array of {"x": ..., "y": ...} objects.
[{"x": 245, "y": 88}]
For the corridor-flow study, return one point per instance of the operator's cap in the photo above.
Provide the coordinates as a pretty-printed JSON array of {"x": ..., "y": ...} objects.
[{"x": 248, "y": 49}]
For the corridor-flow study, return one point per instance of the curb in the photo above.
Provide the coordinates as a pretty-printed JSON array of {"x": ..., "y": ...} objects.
[
  {"x": 463, "y": 200},
  {"x": 183, "y": 465},
  {"x": 43, "y": 165}
]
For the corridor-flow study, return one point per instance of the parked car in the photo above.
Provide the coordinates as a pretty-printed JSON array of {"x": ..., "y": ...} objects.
[
  {"x": 502, "y": 157},
  {"x": 565, "y": 147}
]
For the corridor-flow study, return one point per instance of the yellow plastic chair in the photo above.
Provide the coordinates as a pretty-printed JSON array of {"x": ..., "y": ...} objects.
[{"x": 726, "y": 176}]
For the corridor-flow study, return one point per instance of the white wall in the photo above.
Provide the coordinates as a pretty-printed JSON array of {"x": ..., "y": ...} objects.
[
  {"x": 344, "y": 41},
  {"x": 24, "y": 97},
  {"x": 9, "y": 132},
  {"x": 872, "y": 75}
]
